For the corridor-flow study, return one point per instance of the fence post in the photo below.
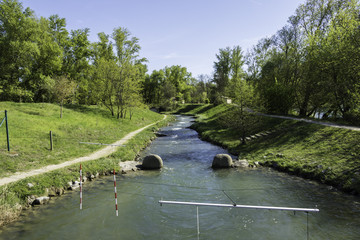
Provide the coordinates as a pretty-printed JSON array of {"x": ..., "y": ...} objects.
[
  {"x": 51, "y": 141},
  {"x": 7, "y": 131}
]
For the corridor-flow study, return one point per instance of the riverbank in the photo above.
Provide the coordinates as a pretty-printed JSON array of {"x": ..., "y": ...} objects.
[
  {"x": 20, "y": 195},
  {"x": 327, "y": 154}
]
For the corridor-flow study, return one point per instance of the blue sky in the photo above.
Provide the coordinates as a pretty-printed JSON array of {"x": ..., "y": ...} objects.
[{"x": 176, "y": 32}]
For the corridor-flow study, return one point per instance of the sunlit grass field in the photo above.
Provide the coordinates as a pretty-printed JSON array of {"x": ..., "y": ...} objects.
[{"x": 30, "y": 125}]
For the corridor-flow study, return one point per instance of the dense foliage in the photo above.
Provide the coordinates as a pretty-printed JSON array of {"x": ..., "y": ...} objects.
[
  {"x": 39, "y": 57},
  {"x": 311, "y": 65}
]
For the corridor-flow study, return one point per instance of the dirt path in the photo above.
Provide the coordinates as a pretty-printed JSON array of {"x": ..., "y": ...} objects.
[
  {"x": 96, "y": 155},
  {"x": 312, "y": 121}
]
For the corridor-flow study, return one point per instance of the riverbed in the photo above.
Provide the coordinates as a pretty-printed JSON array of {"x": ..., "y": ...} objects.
[{"x": 187, "y": 176}]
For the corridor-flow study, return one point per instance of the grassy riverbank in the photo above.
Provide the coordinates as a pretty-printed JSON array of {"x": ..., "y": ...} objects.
[
  {"x": 29, "y": 138},
  {"x": 329, "y": 155}
]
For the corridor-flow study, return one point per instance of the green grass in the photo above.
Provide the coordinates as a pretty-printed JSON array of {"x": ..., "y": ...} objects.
[
  {"x": 329, "y": 155},
  {"x": 30, "y": 124},
  {"x": 78, "y": 124}
]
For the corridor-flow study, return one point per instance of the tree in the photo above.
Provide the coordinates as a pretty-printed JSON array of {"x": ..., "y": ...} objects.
[
  {"x": 63, "y": 90},
  {"x": 152, "y": 87},
  {"x": 340, "y": 63},
  {"x": 76, "y": 62},
  {"x": 236, "y": 71},
  {"x": 46, "y": 64},
  {"x": 103, "y": 83},
  {"x": 222, "y": 70},
  {"x": 240, "y": 118},
  {"x": 18, "y": 47},
  {"x": 117, "y": 79},
  {"x": 313, "y": 17},
  {"x": 126, "y": 87}
]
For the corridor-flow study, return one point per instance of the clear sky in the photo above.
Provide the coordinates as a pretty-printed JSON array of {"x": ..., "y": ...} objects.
[{"x": 176, "y": 32}]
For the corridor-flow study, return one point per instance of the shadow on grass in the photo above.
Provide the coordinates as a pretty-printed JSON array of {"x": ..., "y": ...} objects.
[
  {"x": 187, "y": 108},
  {"x": 89, "y": 109},
  {"x": 204, "y": 109},
  {"x": 286, "y": 136}
]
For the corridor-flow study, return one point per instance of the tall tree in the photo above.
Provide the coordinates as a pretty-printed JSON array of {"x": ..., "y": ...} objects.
[
  {"x": 18, "y": 47},
  {"x": 236, "y": 70},
  {"x": 222, "y": 70},
  {"x": 77, "y": 62},
  {"x": 46, "y": 64},
  {"x": 127, "y": 50}
]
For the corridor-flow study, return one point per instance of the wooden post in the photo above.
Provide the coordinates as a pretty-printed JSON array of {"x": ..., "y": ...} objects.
[
  {"x": 51, "y": 141},
  {"x": 7, "y": 131}
]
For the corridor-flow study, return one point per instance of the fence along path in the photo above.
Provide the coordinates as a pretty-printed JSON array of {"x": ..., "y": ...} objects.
[{"x": 106, "y": 151}]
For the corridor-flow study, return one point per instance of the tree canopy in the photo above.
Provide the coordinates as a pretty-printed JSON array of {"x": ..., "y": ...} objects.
[{"x": 310, "y": 66}]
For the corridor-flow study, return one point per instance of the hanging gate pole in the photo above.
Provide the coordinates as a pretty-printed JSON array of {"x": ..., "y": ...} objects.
[
  {"x": 7, "y": 131},
  {"x": 116, "y": 203}
]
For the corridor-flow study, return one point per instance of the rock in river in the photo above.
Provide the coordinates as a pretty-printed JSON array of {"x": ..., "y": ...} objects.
[
  {"x": 152, "y": 161},
  {"x": 222, "y": 161}
]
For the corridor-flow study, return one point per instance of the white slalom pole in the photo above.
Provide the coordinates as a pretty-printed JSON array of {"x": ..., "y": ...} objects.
[
  {"x": 80, "y": 187},
  {"x": 116, "y": 204},
  {"x": 197, "y": 220}
]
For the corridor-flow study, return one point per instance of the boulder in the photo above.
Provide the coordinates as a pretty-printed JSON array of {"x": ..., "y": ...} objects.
[
  {"x": 40, "y": 200},
  {"x": 152, "y": 161},
  {"x": 222, "y": 161},
  {"x": 73, "y": 185},
  {"x": 30, "y": 199}
]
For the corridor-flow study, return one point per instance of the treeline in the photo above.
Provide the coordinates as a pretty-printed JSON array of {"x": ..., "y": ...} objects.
[
  {"x": 311, "y": 65},
  {"x": 41, "y": 61}
]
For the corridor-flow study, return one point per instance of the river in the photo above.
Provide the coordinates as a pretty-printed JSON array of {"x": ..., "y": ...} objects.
[{"x": 187, "y": 176}]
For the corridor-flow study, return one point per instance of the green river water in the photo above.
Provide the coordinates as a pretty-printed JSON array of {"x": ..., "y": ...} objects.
[{"x": 187, "y": 176}]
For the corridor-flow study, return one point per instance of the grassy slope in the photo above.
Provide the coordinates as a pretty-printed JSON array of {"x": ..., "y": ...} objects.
[
  {"x": 330, "y": 155},
  {"x": 30, "y": 124},
  {"x": 29, "y": 128}
]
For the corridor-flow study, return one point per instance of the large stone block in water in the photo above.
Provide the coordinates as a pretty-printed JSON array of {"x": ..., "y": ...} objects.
[
  {"x": 152, "y": 161},
  {"x": 222, "y": 161}
]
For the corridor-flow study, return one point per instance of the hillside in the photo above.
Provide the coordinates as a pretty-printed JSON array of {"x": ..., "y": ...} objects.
[
  {"x": 327, "y": 154},
  {"x": 30, "y": 126}
]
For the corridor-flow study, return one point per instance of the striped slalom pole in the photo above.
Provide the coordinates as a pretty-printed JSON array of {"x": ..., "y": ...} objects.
[
  {"x": 116, "y": 204},
  {"x": 80, "y": 187}
]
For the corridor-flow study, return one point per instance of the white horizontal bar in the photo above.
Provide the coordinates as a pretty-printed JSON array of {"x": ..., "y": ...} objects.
[{"x": 240, "y": 206}]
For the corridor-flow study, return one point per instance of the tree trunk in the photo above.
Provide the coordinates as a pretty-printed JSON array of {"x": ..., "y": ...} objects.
[{"x": 61, "y": 108}]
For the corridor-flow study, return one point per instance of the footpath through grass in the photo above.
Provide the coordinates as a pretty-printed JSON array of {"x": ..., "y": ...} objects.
[
  {"x": 30, "y": 125},
  {"x": 327, "y": 154},
  {"x": 30, "y": 148}
]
